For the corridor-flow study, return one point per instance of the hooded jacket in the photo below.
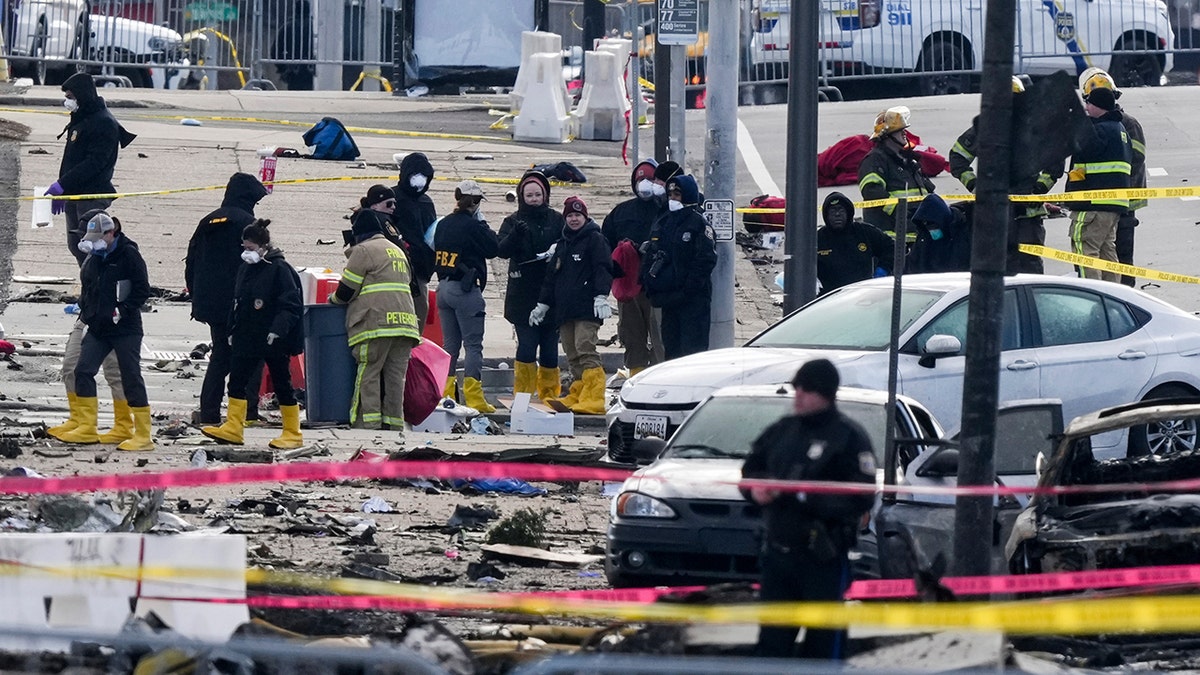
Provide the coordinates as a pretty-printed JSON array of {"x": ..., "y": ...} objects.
[
  {"x": 414, "y": 214},
  {"x": 114, "y": 279},
  {"x": 215, "y": 250},
  {"x": 94, "y": 138},
  {"x": 267, "y": 300},
  {"x": 579, "y": 270},
  {"x": 523, "y": 236},
  {"x": 851, "y": 252},
  {"x": 632, "y": 220},
  {"x": 680, "y": 254},
  {"x": 950, "y": 253}
]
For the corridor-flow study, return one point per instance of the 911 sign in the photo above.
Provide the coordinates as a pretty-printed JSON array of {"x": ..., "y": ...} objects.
[{"x": 678, "y": 22}]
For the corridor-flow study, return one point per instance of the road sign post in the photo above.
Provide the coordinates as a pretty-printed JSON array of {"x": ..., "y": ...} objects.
[
  {"x": 719, "y": 214},
  {"x": 678, "y": 22}
]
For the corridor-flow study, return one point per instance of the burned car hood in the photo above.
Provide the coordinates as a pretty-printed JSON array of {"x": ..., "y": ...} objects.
[
  {"x": 1135, "y": 517},
  {"x": 671, "y": 478}
]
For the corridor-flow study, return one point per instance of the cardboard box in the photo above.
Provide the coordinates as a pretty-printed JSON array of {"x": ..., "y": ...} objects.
[
  {"x": 525, "y": 419},
  {"x": 438, "y": 422}
]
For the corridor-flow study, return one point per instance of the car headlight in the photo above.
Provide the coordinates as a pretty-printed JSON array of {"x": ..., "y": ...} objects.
[{"x": 638, "y": 505}]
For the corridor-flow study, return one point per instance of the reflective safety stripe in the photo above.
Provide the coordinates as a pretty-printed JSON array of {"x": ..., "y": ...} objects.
[
  {"x": 1103, "y": 167},
  {"x": 900, "y": 194},
  {"x": 372, "y": 418},
  {"x": 870, "y": 179},
  {"x": 351, "y": 277},
  {"x": 393, "y": 331},
  {"x": 958, "y": 149},
  {"x": 966, "y": 177},
  {"x": 358, "y": 376},
  {"x": 1138, "y": 146},
  {"x": 1077, "y": 237},
  {"x": 385, "y": 287},
  {"x": 393, "y": 422}
]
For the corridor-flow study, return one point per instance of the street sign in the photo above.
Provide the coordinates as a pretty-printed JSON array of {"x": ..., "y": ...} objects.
[
  {"x": 719, "y": 214},
  {"x": 678, "y": 22}
]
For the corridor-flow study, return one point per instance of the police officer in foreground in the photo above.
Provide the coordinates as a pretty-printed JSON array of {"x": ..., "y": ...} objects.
[
  {"x": 676, "y": 271},
  {"x": 849, "y": 250},
  {"x": 808, "y": 536}
]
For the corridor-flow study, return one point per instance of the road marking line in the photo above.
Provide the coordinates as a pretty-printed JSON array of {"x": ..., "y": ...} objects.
[
  {"x": 1156, "y": 171},
  {"x": 754, "y": 163}
]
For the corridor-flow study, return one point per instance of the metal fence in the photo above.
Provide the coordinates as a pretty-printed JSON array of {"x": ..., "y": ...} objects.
[{"x": 225, "y": 43}]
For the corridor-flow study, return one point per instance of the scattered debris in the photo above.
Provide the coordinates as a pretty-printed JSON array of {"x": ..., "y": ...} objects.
[
  {"x": 527, "y": 555},
  {"x": 240, "y": 456},
  {"x": 376, "y": 505},
  {"x": 9, "y": 448}
]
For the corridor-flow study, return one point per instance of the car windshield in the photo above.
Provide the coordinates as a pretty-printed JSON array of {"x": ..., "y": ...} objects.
[
  {"x": 726, "y": 426},
  {"x": 851, "y": 318}
]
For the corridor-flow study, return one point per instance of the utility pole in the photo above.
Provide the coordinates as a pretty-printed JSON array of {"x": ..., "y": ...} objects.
[
  {"x": 800, "y": 239},
  {"x": 662, "y": 99},
  {"x": 678, "y": 106},
  {"x": 720, "y": 157},
  {"x": 973, "y": 520}
]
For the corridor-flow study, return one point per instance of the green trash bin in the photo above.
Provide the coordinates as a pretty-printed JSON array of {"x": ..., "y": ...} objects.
[{"x": 328, "y": 364}]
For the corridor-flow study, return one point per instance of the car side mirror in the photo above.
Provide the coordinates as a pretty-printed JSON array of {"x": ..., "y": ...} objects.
[
  {"x": 941, "y": 465},
  {"x": 648, "y": 449},
  {"x": 939, "y": 346}
]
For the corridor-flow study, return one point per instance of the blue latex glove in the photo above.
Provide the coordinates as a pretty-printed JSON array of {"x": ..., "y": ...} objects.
[
  {"x": 57, "y": 206},
  {"x": 880, "y": 272}
]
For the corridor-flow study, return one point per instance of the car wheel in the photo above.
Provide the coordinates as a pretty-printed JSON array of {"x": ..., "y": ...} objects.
[
  {"x": 38, "y": 52},
  {"x": 1135, "y": 69},
  {"x": 1168, "y": 437},
  {"x": 943, "y": 55}
]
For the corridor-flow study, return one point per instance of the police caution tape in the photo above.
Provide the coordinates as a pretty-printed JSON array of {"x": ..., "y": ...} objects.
[{"x": 1106, "y": 265}]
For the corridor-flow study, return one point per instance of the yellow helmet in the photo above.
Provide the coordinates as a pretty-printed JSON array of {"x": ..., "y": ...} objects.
[
  {"x": 1094, "y": 78},
  {"x": 890, "y": 121},
  {"x": 1018, "y": 85}
]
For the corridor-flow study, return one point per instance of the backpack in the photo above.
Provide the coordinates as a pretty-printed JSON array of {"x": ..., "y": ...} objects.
[
  {"x": 330, "y": 140},
  {"x": 759, "y": 222}
]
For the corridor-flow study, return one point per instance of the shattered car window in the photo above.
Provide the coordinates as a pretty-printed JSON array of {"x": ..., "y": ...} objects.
[{"x": 850, "y": 318}]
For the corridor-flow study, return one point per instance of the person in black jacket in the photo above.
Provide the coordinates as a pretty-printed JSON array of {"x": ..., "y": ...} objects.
[
  {"x": 943, "y": 237},
  {"x": 1103, "y": 160},
  {"x": 677, "y": 267},
  {"x": 414, "y": 214},
  {"x": 210, "y": 271},
  {"x": 527, "y": 239},
  {"x": 849, "y": 250},
  {"x": 462, "y": 244},
  {"x": 264, "y": 325},
  {"x": 808, "y": 536},
  {"x": 576, "y": 287},
  {"x": 94, "y": 138},
  {"x": 630, "y": 221},
  {"x": 114, "y": 286}
]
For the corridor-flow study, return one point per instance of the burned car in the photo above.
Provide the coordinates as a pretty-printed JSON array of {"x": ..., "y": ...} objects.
[{"x": 1131, "y": 525}]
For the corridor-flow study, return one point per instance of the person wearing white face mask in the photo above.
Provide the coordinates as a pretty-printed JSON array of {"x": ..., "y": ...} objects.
[
  {"x": 412, "y": 217},
  {"x": 264, "y": 325},
  {"x": 114, "y": 286},
  {"x": 626, "y": 228},
  {"x": 676, "y": 270},
  {"x": 93, "y": 140}
]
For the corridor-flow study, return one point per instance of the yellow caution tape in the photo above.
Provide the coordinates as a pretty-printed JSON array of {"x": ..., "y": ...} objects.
[{"x": 1106, "y": 265}]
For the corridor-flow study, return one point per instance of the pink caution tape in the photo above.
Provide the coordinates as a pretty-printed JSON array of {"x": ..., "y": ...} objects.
[{"x": 1168, "y": 575}]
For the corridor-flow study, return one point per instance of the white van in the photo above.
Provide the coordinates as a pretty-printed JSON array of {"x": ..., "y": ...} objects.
[{"x": 1128, "y": 38}]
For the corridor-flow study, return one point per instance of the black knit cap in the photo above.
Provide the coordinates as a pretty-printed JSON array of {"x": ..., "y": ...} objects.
[{"x": 819, "y": 376}]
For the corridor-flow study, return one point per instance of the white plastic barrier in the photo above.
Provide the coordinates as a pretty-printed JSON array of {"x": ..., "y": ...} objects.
[
  {"x": 533, "y": 42},
  {"x": 87, "y": 582},
  {"x": 544, "y": 117},
  {"x": 601, "y": 112}
]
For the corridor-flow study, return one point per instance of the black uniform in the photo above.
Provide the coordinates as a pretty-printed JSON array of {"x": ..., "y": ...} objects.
[
  {"x": 851, "y": 252},
  {"x": 1137, "y": 179},
  {"x": 580, "y": 270},
  {"x": 808, "y": 536},
  {"x": 676, "y": 274},
  {"x": 461, "y": 248},
  {"x": 114, "y": 288},
  {"x": 886, "y": 172},
  {"x": 632, "y": 220},
  {"x": 523, "y": 235},
  {"x": 266, "y": 300},
  {"x": 94, "y": 138},
  {"x": 210, "y": 272},
  {"x": 414, "y": 214}
]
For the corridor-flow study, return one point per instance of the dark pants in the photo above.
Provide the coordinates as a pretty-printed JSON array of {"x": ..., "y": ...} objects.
[
  {"x": 213, "y": 388},
  {"x": 75, "y": 229},
  {"x": 1025, "y": 231},
  {"x": 1125, "y": 227},
  {"x": 792, "y": 576},
  {"x": 242, "y": 369},
  {"x": 128, "y": 349},
  {"x": 533, "y": 341},
  {"x": 685, "y": 328}
]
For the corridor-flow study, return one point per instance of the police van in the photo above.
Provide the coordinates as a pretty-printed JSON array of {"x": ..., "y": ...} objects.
[{"x": 1128, "y": 38}]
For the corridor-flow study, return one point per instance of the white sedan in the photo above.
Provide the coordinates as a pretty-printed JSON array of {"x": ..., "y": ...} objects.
[{"x": 1091, "y": 344}]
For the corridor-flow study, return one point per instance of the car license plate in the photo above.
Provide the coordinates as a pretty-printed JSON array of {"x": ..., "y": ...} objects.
[{"x": 645, "y": 426}]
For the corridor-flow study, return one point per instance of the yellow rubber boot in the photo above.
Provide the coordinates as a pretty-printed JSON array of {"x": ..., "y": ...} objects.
[
  {"x": 524, "y": 378},
  {"x": 473, "y": 392},
  {"x": 235, "y": 424},
  {"x": 122, "y": 424},
  {"x": 448, "y": 392},
  {"x": 72, "y": 418},
  {"x": 85, "y": 432},
  {"x": 591, "y": 401},
  {"x": 549, "y": 384},
  {"x": 291, "y": 436},
  {"x": 573, "y": 394},
  {"x": 140, "y": 441}
]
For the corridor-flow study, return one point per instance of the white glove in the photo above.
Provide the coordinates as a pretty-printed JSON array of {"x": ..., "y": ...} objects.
[
  {"x": 271, "y": 338},
  {"x": 538, "y": 315},
  {"x": 546, "y": 255},
  {"x": 230, "y": 340},
  {"x": 601, "y": 307}
]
